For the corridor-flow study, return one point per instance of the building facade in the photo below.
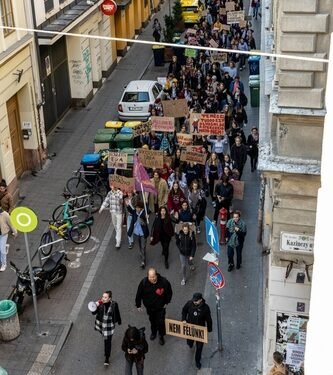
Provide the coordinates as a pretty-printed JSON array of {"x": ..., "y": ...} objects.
[
  {"x": 22, "y": 140},
  {"x": 291, "y": 128}
]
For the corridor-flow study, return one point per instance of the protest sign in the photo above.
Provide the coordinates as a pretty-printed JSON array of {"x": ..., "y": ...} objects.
[
  {"x": 229, "y": 6},
  {"x": 195, "y": 148},
  {"x": 145, "y": 127},
  {"x": 219, "y": 57},
  {"x": 117, "y": 160},
  {"x": 207, "y": 123},
  {"x": 242, "y": 24},
  {"x": 175, "y": 108},
  {"x": 101, "y": 146},
  {"x": 163, "y": 124},
  {"x": 226, "y": 27},
  {"x": 238, "y": 189},
  {"x": 223, "y": 11},
  {"x": 184, "y": 139},
  {"x": 195, "y": 157},
  {"x": 186, "y": 330},
  {"x": 235, "y": 17},
  {"x": 151, "y": 158},
  {"x": 190, "y": 52},
  {"x": 125, "y": 184},
  {"x": 213, "y": 43}
]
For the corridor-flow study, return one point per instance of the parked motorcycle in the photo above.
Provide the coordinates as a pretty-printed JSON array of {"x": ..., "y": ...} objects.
[{"x": 51, "y": 274}]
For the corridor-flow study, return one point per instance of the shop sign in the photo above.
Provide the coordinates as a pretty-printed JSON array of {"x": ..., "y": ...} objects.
[
  {"x": 109, "y": 7},
  {"x": 297, "y": 242}
]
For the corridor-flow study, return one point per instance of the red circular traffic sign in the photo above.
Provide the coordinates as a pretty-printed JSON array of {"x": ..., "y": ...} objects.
[
  {"x": 215, "y": 275},
  {"x": 109, "y": 7}
]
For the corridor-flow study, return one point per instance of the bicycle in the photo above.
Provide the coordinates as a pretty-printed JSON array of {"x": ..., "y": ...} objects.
[
  {"x": 81, "y": 207},
  {"x": 78, "y": 233},
  {"x": 79, "y": 184}
]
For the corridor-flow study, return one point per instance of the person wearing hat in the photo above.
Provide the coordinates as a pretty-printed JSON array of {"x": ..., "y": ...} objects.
[
  {"x": 196, "y": 311},
  {"x": 139, "y": 227}
]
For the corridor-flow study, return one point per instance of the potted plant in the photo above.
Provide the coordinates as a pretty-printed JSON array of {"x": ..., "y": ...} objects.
[
  {"x": 168, "y": 34},
  {"x": 177, "y": 14}
]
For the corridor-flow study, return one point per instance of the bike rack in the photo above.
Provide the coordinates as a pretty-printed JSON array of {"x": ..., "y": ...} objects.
[{"x": 49, "y": 244}]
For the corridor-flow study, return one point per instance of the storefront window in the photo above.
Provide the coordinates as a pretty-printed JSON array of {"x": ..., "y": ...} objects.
[{"x": 7, "y": 17}]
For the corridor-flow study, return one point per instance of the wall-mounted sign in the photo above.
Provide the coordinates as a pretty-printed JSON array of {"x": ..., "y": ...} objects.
[
  {"x": 109, "y": 7},
  {"x": 26, "y": 125},
  {"x": 296, "y": 242}
]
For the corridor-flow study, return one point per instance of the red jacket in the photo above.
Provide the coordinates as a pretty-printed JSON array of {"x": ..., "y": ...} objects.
[{"x": 175, "y": 200}]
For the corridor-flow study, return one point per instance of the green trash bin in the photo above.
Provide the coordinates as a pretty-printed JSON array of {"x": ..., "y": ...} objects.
[
  {"x": 105, "y": 136},
  {"x": 9, "y": 323},
  {"x": 124, "y": 140},
  {"x": 3, "y": 371},
  {"x": 254, "y": 92}
]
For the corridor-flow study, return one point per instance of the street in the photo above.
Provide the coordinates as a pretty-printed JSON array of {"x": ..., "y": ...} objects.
[{"x": 97, "y": 266}]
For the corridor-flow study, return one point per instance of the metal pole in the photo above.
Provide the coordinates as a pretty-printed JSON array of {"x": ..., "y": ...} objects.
[
  {"x": 218, "y": 318},
  {"x": 33, "y": 288},
  {"x": 144, "y": 203}
]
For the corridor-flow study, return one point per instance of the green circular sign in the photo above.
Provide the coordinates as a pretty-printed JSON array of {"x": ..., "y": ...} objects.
[{"x": 24, "y": 219}]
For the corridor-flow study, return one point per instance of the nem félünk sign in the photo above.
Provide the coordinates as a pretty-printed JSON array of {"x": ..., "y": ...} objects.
[{"x": 186, "y": 330}]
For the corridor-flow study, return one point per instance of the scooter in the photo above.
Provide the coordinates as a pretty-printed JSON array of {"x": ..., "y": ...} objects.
[{"x": 51, "y": 274}]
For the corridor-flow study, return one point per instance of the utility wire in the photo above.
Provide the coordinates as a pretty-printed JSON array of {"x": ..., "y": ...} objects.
[{"x": 187, "y": 46}]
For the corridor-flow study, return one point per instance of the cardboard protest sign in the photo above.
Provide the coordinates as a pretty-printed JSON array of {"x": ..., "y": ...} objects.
[
  {"x": 190, "y": 52},
  {"x": 117, "y": 160},
  {"x": 163, "y": 124},
  {"x": 219, "y": 57},
  {"x": 213, "y": 43},
  {"x": 195, "y": 148},
  {"x": 101, "y": 146},
  {"x": 195, "y": 157},
  {"x": 125, "y": 184},
  {"x": 191, "y": 31},
  {"x": 226, "y": 27},
  {"x": 186, "y": 330},
  {"x": 242, "y": 24},
  {"x": 184, "y": 139},
  {"x": 151, "y": 158},
  {"x": 223, "y": 11},
  {"x": 235, "y": 17},
  {"x": 145, "y": 127},
  {"x": 238, "y": 189},
  {"x": 175, "y": 108},
  {"x": 207, "y": 123},
  {"x": 229, "y": 6}
]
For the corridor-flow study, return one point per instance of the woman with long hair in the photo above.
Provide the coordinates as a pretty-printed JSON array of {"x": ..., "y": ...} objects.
[
  {"x": 213, "y": 172},
  {"x": 162, "y": 231},
  {"x": 197, "y": 202},
  {"x": 175, "y": 198}
]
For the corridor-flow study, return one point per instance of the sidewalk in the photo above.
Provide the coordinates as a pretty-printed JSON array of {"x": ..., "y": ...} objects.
[{"x": 72, "y": 137}]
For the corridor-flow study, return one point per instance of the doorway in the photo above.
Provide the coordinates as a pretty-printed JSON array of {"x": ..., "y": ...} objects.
[{"x": 16, "y": 135}]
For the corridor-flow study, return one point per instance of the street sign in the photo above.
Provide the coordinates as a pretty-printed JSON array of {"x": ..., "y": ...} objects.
[
  {"x": 215, "y": 275},
  {"x": 212, "y": 237}
]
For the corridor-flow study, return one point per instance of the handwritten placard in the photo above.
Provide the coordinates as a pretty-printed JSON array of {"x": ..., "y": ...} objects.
[
  {"x": 101, "y": 146},
  {"x": 175, "y": 108},
  {"x": 143, "y": 128},
  {"x": 194, "y": 157},
  {"x": 229, "y": 6},
  {"x": 184, "y": 139},
  {"x": 235, "y": 17},
  {"x": 223, "y": 11},
  {"x": 125, "y": 184},
  {"x": 163, "y": 124},
  {"x": 213, "y": 43},
  {"x": 186, "y": 330},
  {"x": 117, "y": 160},
  {"x": 219, "y": 57},
  {"x": 226, "y": 27},
  {"x": 151, "y": 158},
  {"x": 207, "y": 123}
]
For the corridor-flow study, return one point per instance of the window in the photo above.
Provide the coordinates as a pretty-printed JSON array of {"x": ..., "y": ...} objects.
[
  {"x": 48, "y": 5},
  {"x": 136, "y": 97},
  {"x": 7, "y": 17}
]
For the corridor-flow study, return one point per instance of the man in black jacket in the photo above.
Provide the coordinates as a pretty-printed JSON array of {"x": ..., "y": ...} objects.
[
  {"x": 155, "y": 292},
  {"x": 224, "y": 192},
  {"x": 107, "y": 315},
  {"x": 238, "y": 153},
  {"x": 196, "y": 311}
]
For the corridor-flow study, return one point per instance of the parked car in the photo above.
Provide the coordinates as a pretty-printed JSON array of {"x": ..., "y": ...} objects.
[{"x": 138, "y": 100}]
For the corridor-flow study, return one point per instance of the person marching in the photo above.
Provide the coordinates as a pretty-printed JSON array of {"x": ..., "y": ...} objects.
[
  {"x": 196, "y": 311},
  {"x": 135, "y": 347},
  {"x": 114, "y": 201},
  {"x": 187, "y": 246},
  {"x": 107, "y": 315},
  {"x": 139, "y": 227},
  {"x": 162, "y": 231},
  {"x": 235, "y": 236},
  {"x": 6, "y": 199},
  {"x": 155, "y": 292}
]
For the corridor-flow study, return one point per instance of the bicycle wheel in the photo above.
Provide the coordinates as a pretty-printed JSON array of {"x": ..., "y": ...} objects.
[
  {"x": 58, "y": 213},
  {"x": 45, "y": 239},
  {"x": 76, "y": 186},
  {"x": 80, "y": 233},
  {"x": 101, "y": 188},
  {"x": 96, "y": 201}
]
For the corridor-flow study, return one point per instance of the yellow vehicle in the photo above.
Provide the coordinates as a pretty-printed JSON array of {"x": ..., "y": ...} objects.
[{"x": 191, "y": 11}]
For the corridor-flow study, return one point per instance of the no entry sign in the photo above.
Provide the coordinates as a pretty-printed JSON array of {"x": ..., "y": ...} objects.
[{"x": 215, "y": 275}]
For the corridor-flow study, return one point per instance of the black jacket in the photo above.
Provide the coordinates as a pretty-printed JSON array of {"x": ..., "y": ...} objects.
[
  {"x": 186, "y": 244},
  {"x": 238, "y": 155},
  {"x": 140, "y": 345},
  {"x": 154, "y": 296},
  {"x": 198, "y": 314},
  {"x": 225, "y": 191}
]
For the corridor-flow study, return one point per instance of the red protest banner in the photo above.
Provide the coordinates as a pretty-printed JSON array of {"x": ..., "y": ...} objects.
[
  {"x": 163, "y": 124},
  {"x": 207, "y": 123}
]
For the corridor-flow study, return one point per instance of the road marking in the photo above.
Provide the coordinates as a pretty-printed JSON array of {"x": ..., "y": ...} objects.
[{"x": 42, "y": 359}]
